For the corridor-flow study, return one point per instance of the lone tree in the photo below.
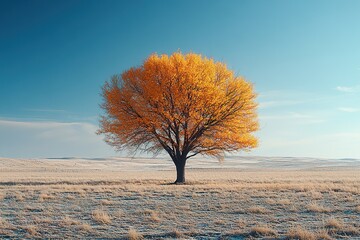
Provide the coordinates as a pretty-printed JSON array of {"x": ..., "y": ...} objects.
[{"x": 183, "y": 104}]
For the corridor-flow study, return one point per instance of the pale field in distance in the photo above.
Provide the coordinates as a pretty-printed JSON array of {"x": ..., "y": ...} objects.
[{"x": 251, "y": 197}]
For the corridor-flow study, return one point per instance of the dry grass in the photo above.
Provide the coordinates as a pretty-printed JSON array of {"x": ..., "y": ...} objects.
[
  {"x": 70, "y": 197},
  {"x": 262, "y": 230},
  {"x": 352, "y": 231},
  {"x": 45, "y": 196},
  {"x": 31, "y": 230},
  {"x": 258, "y": 210},
  {"x": 84, "y": 227},
  {"x": 270, "y": 201},
  {"x": 293, "y": 209},
  {"x": 315, "y": 207},
  {"x": 68, "y": 221},
  {"x": 134, "y": 235},
  {"x": 315, "y": 195},
  {"x": 241, "y": 223},
  {"x": 349, "y": 199},
  {"x": 44, "y": 220},
  {"x": 219, "y": 222},
  {"x": 101, "y": 216},
  {"x": 3, "y": 223},
  {"x": 104, "y": 204},
  {"x": 284, "y": 202},
  {"x": 176, "y": 234},
  {"x": 334, "y": 223},
  {"x": 300, "y": 233},
  {"x": 119, "y": 213},
  {"x": 2, "y": 196},
  {"x": 153, "y": 215},
  {"x": 357, "y": 209},
  {"x": 19, "y": 197},
  {"x": 323, "y": 234}
]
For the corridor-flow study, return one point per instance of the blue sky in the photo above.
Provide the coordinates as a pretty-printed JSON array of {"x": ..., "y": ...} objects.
[{"x": 302, "y": 56}]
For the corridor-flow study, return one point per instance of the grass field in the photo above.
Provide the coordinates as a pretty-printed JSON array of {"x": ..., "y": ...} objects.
[{"x": 72, "y": 198}]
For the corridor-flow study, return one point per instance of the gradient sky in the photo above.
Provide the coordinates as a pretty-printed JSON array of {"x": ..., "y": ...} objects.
[{"x": 302, "y": 56}]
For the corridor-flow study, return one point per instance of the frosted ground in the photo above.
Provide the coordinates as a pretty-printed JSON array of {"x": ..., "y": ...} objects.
[{"x": 243, "y": 197}]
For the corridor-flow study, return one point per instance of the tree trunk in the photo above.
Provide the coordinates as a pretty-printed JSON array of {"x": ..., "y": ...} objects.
[{"x": 180, "y": 172}]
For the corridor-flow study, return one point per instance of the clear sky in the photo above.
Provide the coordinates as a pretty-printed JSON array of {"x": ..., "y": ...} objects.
[{"x": 302, "y": 56}]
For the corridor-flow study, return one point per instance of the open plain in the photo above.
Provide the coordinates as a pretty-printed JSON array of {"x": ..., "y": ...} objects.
[{"x": 241, "y": 198}]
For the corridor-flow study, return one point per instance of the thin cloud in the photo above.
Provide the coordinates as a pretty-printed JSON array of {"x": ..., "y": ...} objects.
[
  {"x": 283, "y": 99},
  {"x": 332, "y": 145},
  {"x": 50, "y": 138},
  {"x": 42, "y": 124},
  {"x": 349, "y": 109},
  {"x": 271, "y": 104},
  {"x": 45, "y": 110},
  {"x": 290, "y": 115},
  {"x": 297, "y": 118},
  {"x": 348, "y": 89}
]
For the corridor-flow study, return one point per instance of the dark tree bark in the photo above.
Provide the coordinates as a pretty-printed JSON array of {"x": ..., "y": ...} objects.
[{"x": 180, "y": 171}]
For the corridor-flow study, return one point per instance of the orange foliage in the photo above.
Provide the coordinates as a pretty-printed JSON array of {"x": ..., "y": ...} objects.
[{"x": 185, "y": 104}]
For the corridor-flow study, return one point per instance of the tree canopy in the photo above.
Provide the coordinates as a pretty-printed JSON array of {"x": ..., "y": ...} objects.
[{"x": 185, "y": 104}]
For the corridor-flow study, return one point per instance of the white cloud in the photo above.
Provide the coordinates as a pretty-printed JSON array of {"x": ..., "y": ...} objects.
[
  {"x": 50, "y": 139},
  {"x": 348, "y": 89},
  {"x": 349, "y": 109}
]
